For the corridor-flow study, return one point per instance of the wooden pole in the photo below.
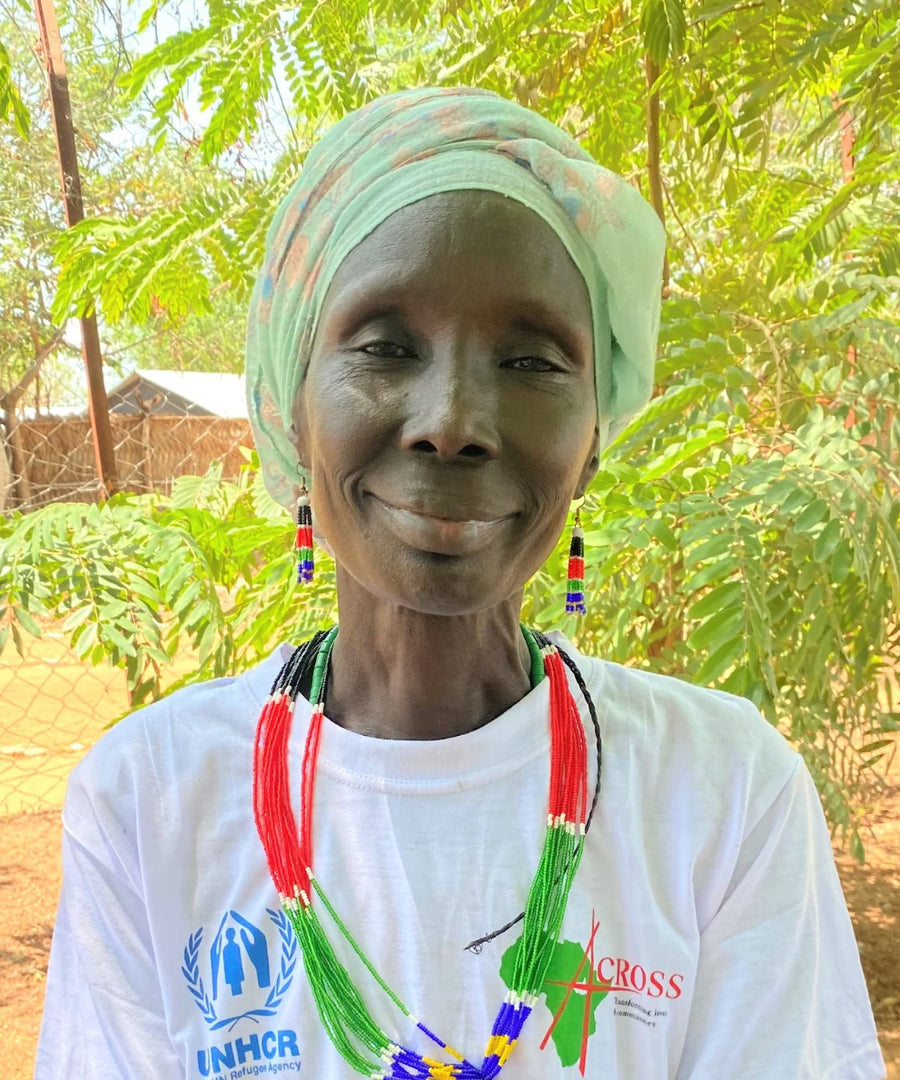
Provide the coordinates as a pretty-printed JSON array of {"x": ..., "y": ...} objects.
[
  {"x": 57, "y": 79},
  {"x": 146, "y": 409}
]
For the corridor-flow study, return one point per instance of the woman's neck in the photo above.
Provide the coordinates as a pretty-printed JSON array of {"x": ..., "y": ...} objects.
[{"x": 401, "y": 674}]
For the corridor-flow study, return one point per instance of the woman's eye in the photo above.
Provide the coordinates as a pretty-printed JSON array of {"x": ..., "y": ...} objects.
[
  {"x": 532, "y": 364},
  {"x": 386, "y": 349}
]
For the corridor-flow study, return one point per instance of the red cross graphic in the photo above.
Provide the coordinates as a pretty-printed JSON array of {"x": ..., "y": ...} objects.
[{"x": 592, "y": 986}]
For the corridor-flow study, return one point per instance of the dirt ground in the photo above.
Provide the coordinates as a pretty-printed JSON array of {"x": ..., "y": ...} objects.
[{"x": 52, "y": 708}]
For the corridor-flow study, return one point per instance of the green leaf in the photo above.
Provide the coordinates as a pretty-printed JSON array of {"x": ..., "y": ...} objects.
[
  {"x": 721, "y": 626},
  {"x": 709, "y": 549},
  {"x": 143, "y": 690},
  {"x": 794, "y": 501},
  {"x": 725, "y": 567},
  {"x": 871, "y": 747},
  {"x": 841, "y": 562},
  {"x": 663, "y": 25},
  {"x": 187, "y": 598},
  {"x": 10, "y": 99},
  {"x": 27, "y": 622},
  {"x": 78, "y": 616},
  {"x": 124, "y": 644},
  {"x": 723, "y": 596},
  {"x": 112, "y": 609},
  {"x": 661, "y": 532},
  {"x": 811, "y": 516},
  {"x": 827, "y": 541},
  {"x": 718, "y": 662},
  {"x": 142, "y": 588},
  {"x": 86, "y": 640}
]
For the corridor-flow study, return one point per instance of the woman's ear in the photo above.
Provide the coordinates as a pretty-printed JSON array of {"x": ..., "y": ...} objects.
[
  {"x": 297, "y": 432},
  {"x": 590, "y": 466}
]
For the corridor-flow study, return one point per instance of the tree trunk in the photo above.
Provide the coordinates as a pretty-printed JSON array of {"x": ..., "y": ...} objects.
[
  {"x": 9, "y": 402},
  {"x": 19, "y": 463}
]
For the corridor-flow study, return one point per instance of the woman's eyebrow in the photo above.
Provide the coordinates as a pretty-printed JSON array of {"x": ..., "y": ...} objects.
[
  {"x": 365, "y": 310},
  {"x": 555, "y": 328}
]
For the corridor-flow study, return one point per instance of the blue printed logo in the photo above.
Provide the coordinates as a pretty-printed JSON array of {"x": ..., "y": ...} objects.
[{"x": 240, "y": 970}]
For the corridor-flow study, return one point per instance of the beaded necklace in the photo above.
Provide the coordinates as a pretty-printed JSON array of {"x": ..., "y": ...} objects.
[{"x": 289, "y": 853}]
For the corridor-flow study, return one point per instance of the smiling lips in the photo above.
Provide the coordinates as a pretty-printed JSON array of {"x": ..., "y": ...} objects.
[{"x": 441, "y": 535}]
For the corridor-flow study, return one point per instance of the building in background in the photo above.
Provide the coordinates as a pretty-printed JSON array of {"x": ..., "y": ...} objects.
[
  {"x": 165, "y": 424},
  {"x": 180, "y": 393}
]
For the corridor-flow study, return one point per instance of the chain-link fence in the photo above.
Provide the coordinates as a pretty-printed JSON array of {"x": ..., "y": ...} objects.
[
  {"x": 54, "y": 708},
  {"x": 52, "y": 459},
  {"x": 54, "y": 705}
]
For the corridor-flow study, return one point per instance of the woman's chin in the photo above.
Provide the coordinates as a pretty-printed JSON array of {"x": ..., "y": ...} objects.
[{"x": 435, "y": 584}]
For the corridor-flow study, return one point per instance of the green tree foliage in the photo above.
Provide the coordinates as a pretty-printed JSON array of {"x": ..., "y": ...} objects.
[
  {"x": 123, "y": 179},
  {"x": 140, "y": 577},
  {"x": 743, "y": 532},
  {"x": 11, "y": 104}
]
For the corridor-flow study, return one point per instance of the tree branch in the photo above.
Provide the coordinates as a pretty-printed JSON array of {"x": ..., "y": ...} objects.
[
  {"x": 10, "y": 399},
  {"x": 773, "y": 347},
  {"x": 687, "y": 235}
]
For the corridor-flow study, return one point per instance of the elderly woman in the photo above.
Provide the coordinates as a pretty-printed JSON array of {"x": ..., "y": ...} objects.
[{"x": 388, "y": 852}]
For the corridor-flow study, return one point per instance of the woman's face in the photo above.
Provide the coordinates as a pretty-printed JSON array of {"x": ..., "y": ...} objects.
[{"x": 448, "y": 416}]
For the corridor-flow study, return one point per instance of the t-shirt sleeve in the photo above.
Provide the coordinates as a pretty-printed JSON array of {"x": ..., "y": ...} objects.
[
  {"x": 780, "y": 993},
  {"x": 103, "y": 1014}
]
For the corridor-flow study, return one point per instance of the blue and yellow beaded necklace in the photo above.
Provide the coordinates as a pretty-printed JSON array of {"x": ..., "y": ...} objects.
[{"x": 344, "y": 1015}]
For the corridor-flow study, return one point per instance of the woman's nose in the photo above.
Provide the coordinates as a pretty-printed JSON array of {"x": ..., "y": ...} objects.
[{"x": 452, "y": 410}]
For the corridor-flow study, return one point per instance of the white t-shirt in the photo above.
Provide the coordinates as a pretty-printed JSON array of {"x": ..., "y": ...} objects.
[{"x": 707, "y": 897}]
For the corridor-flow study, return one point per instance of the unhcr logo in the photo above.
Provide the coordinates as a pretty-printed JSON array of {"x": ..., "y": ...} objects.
[
  {"x": 254, "y": 1055},
  {"x": 241, "y": 974}
]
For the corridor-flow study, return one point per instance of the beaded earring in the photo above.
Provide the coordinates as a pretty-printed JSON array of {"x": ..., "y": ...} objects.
[
  {"x": 303, "y": 542},
  {"x": 575, "y": 586}
]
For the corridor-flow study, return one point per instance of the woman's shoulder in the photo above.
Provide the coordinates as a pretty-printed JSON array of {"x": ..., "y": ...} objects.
[
  {"x": 172, "y": 742},
  {"x": 712, "y": 739}
]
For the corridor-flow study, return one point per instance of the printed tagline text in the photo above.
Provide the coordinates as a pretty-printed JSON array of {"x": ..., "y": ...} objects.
[
  {"x": 265, "y": 1070},
  {"x": 633, "y": 1010}
]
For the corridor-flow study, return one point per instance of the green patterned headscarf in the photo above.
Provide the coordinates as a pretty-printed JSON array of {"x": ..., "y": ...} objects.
[{"x": 402, "y": 148}]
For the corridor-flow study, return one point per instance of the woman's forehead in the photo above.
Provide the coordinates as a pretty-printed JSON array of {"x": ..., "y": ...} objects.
[
  {"x": 452, "y": 220},
  {"x": 467, "y": 245}
]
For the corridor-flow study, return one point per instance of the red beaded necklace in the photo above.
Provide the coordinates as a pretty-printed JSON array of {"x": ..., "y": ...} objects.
[{"x": 288, "y": 850}]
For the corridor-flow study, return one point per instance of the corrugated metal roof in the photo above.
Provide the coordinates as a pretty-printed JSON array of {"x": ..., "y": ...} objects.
[{"x": 220, "y": 393}]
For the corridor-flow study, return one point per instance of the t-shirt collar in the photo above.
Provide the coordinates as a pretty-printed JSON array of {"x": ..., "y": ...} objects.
[{"x": 512, "y": 739}]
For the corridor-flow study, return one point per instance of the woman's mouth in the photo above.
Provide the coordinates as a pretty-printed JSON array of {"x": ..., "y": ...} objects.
[{"x": 428, "y": 531}]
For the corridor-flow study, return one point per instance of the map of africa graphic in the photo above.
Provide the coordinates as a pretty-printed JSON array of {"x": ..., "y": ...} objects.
[{"x": 571, "y": 966}]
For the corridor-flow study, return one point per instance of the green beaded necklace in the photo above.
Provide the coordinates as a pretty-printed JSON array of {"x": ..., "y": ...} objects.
[{"x": 342, "y": 1010}]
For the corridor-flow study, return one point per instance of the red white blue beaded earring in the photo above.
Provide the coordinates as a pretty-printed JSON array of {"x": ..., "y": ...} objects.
[
  {"x": 575, "y": 586},
  {"x": 303, "y": 542}
]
